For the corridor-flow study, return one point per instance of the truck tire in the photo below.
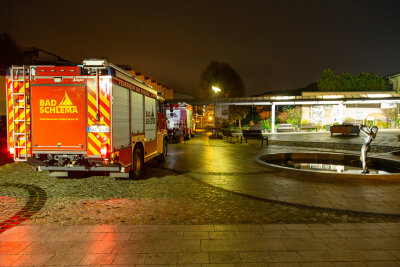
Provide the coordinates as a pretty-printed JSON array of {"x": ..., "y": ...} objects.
[{"x": 137, "y": 163}]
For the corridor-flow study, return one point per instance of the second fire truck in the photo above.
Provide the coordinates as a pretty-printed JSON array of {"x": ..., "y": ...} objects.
[{"x": 180, "y": 120}]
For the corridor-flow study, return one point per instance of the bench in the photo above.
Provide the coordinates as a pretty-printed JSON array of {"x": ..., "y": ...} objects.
[
  {"x": 285, "y": 128},
  {"x": 345, "y": 129},
  {"x": 255, "y": 134},
  {"x": 309, "y": 126},
  {"x": 230, "y": 134}
]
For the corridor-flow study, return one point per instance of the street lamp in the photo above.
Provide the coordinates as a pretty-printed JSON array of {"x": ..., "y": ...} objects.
[{"x": 216, "y": 90}]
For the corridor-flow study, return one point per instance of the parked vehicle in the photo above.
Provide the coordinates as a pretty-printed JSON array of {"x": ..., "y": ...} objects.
[
  {"x": 180, "y": 120},
  {"x": 89, "y": 117}
]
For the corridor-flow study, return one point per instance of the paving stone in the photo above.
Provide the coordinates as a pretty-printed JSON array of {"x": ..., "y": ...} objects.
[
  {"x": 222, "y": 245},
  {"x": 224, "y": 257},
  {"x": 12, "y": 247},
  {"x": 299, "y": 234},
  {"x": 376, "y": 255},
  {"x": 317, "y": 256},
  {"x": 32, "y": 260},
  {"x": 394, "y": 252},
  {"x": 129, "y": 258},
  {"x": 7, "y": 259},
  {"x": 170, "y": 235},
  {"x": 264, "y": 245},
  {"x": 196, "y": 235},
  {"x": 259, "y": 257},
  {"x": 171, "y": 245},
  {"x": 135, "y": 246},
  {"x": 162, "y": 258},
  {"x": 226, "y": 235},
  {"x": 192, "y": 257},
  {"x": 91, "y": 259},
  {"x": 382, "y": 263},
  {"x": 66, "y": 259},
  {"x": 347, "y": 255},
  {"x": 285, "y": 256}
]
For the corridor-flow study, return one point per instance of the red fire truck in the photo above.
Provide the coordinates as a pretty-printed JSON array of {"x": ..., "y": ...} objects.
[
  {"x": 89, "y": 117},
  {"x": 180, "y": 120}
]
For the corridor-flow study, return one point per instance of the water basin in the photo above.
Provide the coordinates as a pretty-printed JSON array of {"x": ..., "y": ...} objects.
[{"x": 331, "y": 165}]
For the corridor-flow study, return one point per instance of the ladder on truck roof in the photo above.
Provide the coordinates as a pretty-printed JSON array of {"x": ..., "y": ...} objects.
[{"x": 20, "y": 96}]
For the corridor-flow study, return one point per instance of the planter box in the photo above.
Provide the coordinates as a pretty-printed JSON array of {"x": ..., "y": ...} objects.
[{"x": 345, "y": 129}]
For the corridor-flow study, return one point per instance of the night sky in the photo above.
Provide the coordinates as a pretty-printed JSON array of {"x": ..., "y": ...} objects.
[{"x": 273, "y": 45}]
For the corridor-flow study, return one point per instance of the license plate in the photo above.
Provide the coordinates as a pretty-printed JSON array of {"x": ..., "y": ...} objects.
[{"x": 98, "y": 129}]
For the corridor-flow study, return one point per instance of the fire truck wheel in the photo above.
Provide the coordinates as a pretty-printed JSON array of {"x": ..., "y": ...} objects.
[{"x": 137, "y": 164}]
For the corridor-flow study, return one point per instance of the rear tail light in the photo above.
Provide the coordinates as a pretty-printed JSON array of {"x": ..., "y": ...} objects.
[
  {"x": 104, "y": 151},
  {"x": 12, "y": 151}
]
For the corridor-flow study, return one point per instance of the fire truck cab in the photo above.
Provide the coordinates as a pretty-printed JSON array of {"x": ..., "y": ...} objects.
[{"x": 89, "y": 117}]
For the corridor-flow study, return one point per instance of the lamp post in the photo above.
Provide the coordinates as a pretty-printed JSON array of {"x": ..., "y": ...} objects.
[{"x": 216, "y": 90}]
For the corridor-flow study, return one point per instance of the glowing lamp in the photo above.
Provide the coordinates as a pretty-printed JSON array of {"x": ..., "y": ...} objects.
[{"x": 216, "y": 89}]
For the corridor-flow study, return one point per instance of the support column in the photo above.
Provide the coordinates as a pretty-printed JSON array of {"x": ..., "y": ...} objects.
[{"x": 273, "y": 118}]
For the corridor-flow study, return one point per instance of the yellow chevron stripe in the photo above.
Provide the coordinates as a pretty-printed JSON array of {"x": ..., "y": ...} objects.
[
  {"x": 105, "y": 100},
  {"x": 27, "y": 85},
  {"x": 15, "y": 84},
  {"x": 10, "y": 115},
  {"x": 21, "y": 116},
  {"x": 10, "y": 103},
  {"x": 22, "y": 128},
  {"x": 94, "y": 151},
  {"x": 92, "y": 100},
  {"x": 94, "y": 139},
  {"x": 91, "y": 111},
  {"x": 92, "y": 87},
  {"x": 105, "y": 113}
]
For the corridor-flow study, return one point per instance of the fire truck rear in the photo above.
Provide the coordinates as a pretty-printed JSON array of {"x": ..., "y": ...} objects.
[
  {"x": 180, "y": 120},
  {"x": 89, "y": 117}
]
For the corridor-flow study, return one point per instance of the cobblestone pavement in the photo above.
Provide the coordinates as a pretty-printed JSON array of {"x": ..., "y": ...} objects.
[{"x": 100, "y": 218}]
